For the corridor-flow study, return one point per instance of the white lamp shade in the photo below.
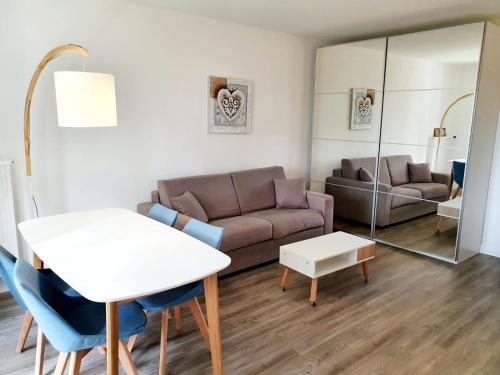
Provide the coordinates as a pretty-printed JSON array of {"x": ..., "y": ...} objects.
[{"x": 85, "y": 99}]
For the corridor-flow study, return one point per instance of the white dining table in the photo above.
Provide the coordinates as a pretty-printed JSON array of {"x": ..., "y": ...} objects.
[{"x": 115, "y": 256}]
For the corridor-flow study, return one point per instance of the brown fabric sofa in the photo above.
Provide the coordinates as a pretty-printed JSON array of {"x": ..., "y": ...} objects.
[
  {"x": 398, "y": 199},
  {"x": 244, "y": 204}
]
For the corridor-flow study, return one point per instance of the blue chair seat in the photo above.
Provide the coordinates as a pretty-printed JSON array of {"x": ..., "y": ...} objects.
[
  {"x": 71, "y": 323},
  {"x": 59, "y": 283},
  {"x": 89, "y": 320},
  {"x": 172, "y": 297}
]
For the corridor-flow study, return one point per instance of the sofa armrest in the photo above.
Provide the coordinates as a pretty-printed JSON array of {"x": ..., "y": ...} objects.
[
  {"x": 143, "y": 208},
  {"x": 354, "y": 200},
  {"x": 442, "y": 178},
  {"x": 324, "y": 203}
]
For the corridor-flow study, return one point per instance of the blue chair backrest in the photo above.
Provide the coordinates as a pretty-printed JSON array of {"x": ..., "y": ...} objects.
[
  {"x": 204, "y": 232},
  {"x": 46, "y": 303},
  {"x": 163, "y": 214},
  {"x": 7, "y": 263},
  {"x": 458, "y": 172}
]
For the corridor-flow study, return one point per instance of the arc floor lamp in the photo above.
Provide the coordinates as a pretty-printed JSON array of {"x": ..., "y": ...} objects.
[{"x": 84, "y": 99}]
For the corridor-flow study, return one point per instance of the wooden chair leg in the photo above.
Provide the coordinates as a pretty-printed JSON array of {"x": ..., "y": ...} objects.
[
  {"x": 284, "y": 279},
  {"x": 178, "y": 321},
  {"x": 62, "y": 360},
  {"x": 126, "y": 359},
  {"x": 25, "y": 330},
  {"x": 457, "y": 191},
  {"x": 40, "y": 352},
  {"x": 131, "y": 343},
  {"x": 195, "y": 308},
  {"x": 440, "y": 223},
  {"x": 163, "y": 342},
  {"x": 75, "y": 361}
]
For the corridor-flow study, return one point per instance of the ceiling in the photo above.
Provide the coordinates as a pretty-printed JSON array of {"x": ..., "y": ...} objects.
[{"x": 339, "y": 20}]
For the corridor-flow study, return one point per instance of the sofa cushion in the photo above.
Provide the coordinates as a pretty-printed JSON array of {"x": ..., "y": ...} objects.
[
  {"x": 403, "y": 196},
  {"x": 351, "y": 168},
  {"x": 187, "y": 204},
  {"x": 419, "y": 172},
  {"x": 365, "y": 175},
  {"x": 291, "y": 193},
  {"x": 255, "y": 188},
  {"x": 240, "y": 231},
  {"x": 215, "y": 193},
  {"x": 398, "y": 169},
  {"x": 430, "y": 190},
  {"x": 286, "y": 221}
]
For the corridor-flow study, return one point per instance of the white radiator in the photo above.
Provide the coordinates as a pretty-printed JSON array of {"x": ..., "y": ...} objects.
[{"x": 8, "y": 234}]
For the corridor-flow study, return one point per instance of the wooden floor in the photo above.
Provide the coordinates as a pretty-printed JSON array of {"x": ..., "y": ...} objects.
[
  {"x": 419, "y": 233},
  {"x": 415, "y": 316}
]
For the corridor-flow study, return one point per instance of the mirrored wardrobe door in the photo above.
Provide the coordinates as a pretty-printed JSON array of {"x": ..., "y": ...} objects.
[
  {"x": 430, "y": 87},
  {"x": 346, "y": 128}
]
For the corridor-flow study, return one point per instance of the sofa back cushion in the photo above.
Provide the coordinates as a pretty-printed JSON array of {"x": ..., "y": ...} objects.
[
  {"x": 215, "y": 193},
  {"x": 398, "y": 169},
  {"x": 255, "y": 188},
  {"x": 351, "y": 168}
]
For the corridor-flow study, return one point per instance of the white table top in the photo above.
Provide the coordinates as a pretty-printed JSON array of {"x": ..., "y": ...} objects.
[
  {"x": 327, "y": 246},
  {"x": 115, "y": 254}
]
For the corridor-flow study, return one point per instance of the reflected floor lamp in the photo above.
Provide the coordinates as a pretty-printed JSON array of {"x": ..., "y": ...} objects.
[{"x": 84, "y": 99}]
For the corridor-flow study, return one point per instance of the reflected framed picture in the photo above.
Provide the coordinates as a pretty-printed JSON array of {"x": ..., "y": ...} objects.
[{"x": 362, "y": 101}]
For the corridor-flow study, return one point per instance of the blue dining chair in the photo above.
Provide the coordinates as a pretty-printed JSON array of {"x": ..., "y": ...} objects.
[
  {"x": 73, "y": 326},
  {"x": 163, "y": 214},
  {"x": 185, "y": 295},
  {"x": 7, "y": 263},
  {"x": 458, "y": 172}
]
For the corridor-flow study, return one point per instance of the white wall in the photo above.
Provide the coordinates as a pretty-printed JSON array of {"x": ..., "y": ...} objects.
[{"x": 161, "y": 60}]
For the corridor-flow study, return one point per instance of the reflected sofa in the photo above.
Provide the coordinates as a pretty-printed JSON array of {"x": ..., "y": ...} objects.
[
  {"x": 244, "y": 204},
  {"x": 398, "y": 199}
]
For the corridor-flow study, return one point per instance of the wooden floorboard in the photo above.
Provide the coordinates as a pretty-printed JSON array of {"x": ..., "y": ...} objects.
[{"x": 415, "y": 316}]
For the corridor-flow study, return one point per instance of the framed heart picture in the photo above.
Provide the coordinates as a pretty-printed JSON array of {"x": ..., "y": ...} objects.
[
  {"x": 230, "y": 103},
  {"x": 362, "y": 102}
]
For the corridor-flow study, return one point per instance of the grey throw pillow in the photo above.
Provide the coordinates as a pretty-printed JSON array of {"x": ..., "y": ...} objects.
[
  {"x": 291, "y": 193},
  {"x": 187, "y": 204},
  {"x": 419, "y": 172},
  {"x": 366, "y": 175}
]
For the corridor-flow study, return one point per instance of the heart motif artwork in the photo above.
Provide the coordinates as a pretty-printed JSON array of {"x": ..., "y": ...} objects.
[
  {"x": 230, "y": 103},
  {"x": 362, "y": 102},
  {"x": 364, "y": 108}
]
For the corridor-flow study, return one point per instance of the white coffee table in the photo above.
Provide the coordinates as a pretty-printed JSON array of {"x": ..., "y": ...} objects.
[
  {"x": 319, "y": 256},
  {"x": 448, "y": 209}
]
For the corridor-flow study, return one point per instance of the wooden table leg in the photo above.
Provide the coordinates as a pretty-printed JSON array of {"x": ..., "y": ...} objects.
[
  {"x": 364, "y": 267},
  {"x": 284, "y": 279},
  {"x": 37, "y": 262},
  {"x": 212, "y": 302},
  {"x": 112, "y": 337},
  {"x": 314, "y": 291}
]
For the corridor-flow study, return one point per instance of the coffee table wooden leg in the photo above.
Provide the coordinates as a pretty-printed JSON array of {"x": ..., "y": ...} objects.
[
  {"x": 284, "y": 279},
  {"x": 212, "y": 303},
  {"x": 112, "y": 337},
  {"x": 314, "y": 291},
  {"x": 440, "y": 224},
  {"x": 364, "y": 267}
]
